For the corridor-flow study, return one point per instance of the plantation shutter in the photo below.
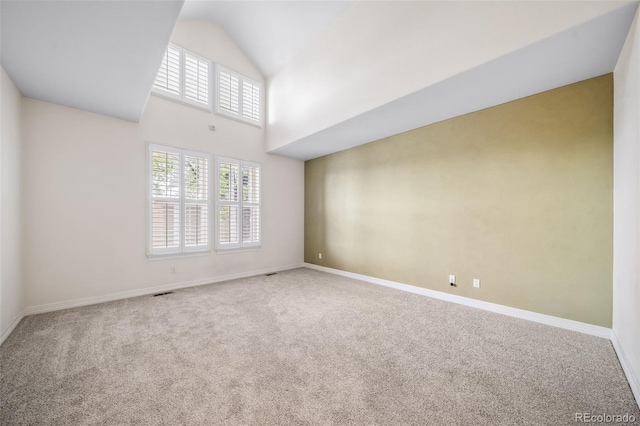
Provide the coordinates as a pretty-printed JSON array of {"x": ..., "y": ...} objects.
[
  {"x": 196, "y": 78},
  {"x": 250, "y": 204},
  {"x": 165, "y": 194},
  {"x": 250, "y": 100},
  {"x": 196, "y": 201},
  {"x": 228, "y": 91},
  {"x": 238, "y": 204},
  {"x": 168, "y": 78},
  {"x": 179, "y": 201},
  {"x": 228, "y": 204},
  {"x": 238, "y": 96}
]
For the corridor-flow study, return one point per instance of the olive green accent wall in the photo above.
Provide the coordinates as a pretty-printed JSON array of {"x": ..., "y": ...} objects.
[{"x": 519, "y": 195}]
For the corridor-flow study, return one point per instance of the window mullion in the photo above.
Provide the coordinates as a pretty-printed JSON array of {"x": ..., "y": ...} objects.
[{"x": 182, "y": 203}]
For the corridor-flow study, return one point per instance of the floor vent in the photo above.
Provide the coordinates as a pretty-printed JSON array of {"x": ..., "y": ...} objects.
[
  {"x": 162, "y": 294},
  {"x": 268, "y": 275}
]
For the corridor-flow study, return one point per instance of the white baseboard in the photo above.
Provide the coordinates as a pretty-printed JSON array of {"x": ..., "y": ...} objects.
[
  {"x": 57, "y": 306},
  {"x": 8, "y": 329},
  {"x": 634, "y": 383},
  {"x": 581, "y": 327}
]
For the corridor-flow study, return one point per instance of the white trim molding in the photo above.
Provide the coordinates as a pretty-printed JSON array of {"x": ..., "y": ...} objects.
[
  {"x": 12, "y": 325},
  {"x": 568, "y": 324},
  {"x": 57, "y": 306},
  {"x": 634, "y": 383}
]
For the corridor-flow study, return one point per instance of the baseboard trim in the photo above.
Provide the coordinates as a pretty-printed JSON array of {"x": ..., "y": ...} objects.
[
  {"x": 634, "y": 383},
  {"x": 581, "y": 327},
  {"x": 12, "y": 325},
  {"x": 58, "y": 306}
]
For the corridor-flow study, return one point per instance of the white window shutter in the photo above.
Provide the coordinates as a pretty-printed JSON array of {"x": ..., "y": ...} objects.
[
  {"x": 250, "y": 204},
  {"x": 238, "y": 204},
  {"x": 228, "y": 226},
  {"x": 165, "y": 174},
  {"x": 228, "y": 91},
  {"x": 228, "y": 181},
  {"x": 196, "y": 199},
  {"x": 165, "y": 200},
  {"x": 196, "y": 78},
  {"x": 165, "y": 225},
  {"x": 238, "y": 96},
  {"x": 168, "y": 78},
  {"x": 185, "y": 77},
  {"x": 228, "y": 204},
  {"x": 250, "y": 100}
]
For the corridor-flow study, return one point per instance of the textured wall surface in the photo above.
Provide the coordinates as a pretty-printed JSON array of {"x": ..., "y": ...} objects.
[{"x": 518, "y": 195}]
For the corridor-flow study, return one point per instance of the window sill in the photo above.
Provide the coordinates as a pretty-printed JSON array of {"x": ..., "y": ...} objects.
[
  {"x": 181, "y": 102},
  {"x": 237, "y": 250},
  {"x": 238, "y": 118},
  {"x": 155, "y": 257}
]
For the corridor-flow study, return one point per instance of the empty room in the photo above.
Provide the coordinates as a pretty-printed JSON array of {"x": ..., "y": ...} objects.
[{"x": 319, "y": 212}]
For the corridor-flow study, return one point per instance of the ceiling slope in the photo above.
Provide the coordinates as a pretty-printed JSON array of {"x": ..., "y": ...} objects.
[
  {"x": 270, "y": 33},
  {"x": 588, "y": 50},
  {"x": 98, "y": 56}
]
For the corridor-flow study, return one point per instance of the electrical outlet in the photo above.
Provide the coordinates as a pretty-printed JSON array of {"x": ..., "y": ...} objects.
[
  {"x": 319, "y": 255},
  {"x": 173, "y": 270},
  {"x": 476, "y": 283},
  {"x": 452, "y": 280}
]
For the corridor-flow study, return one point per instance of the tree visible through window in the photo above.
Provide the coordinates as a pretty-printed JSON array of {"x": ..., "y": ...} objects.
[{"x": 178, "y": 201}]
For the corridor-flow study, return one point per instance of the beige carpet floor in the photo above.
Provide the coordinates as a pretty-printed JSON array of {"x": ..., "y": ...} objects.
[{"x": 301, "y": 347}]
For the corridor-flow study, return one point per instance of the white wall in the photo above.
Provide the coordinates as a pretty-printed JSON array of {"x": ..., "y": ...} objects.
[
  {"x": 86, "y": 191},
  {"x": 346, "y": 71},
  {"x": 626, "y": 207},
  {"x": 11, "y": 283}
]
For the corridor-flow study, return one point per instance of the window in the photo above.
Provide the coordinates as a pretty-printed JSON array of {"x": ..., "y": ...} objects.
[
  {"x": 238, "y": 96},
  {"x": 178, "y": 205},
  {"x": 238, "y": 204},
  {"x": 168, "y": 78},
  {"x": 184, "y": 76}
]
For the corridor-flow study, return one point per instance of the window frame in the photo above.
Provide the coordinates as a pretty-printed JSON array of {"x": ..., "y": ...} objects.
[
  {"x": 240, "y": 116},
  {"x": 182, "y": 249},
  {"x": 181, "y": 97},
  {"x": 240, "y": 245}
]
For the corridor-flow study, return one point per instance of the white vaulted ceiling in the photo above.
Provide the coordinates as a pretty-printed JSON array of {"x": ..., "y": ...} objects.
[
  {"x": 388, "y": 67},
  {"x": 338, "y": 59},
  {"x": 270, "y": 33},
  {"x": 584, "y": 51},
  {"x": 99, "y": 56}
]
